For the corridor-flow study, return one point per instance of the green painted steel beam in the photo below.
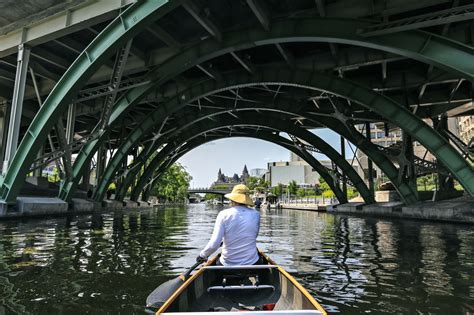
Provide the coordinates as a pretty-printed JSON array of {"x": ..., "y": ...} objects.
[
  {"x": 407, "y": 193},
  {"x": 170, "y": 160},
  {"x": 299, "y": 132},
  {"x": 285, "y": 109},
  {"x": 270, "y": 105},
  {"x": 425, "y": 47},
  {"x": 380, "y": 104},
  {"x": 418, "y": 45},
  {"x": 189, "y": 137},
  {"x": 135, "y": 168},
  {"x": 136, "y": 18},
  {"x": 173, "y": 144},
  {"x": 321, "y": 82}
]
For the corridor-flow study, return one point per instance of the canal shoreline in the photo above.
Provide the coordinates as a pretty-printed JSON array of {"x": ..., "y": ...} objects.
[{"x": 458, "y": 210}]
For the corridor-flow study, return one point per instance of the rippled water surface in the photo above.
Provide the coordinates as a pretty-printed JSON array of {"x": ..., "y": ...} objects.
[{"x": 109, "y": 262}]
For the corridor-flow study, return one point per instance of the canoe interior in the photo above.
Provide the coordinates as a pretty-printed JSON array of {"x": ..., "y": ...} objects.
[{"x": 242, "y": 290}]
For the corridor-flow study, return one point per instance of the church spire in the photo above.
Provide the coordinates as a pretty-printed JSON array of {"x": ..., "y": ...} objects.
[
  {"x": 220, "y": 176},
  {"x": 245, "y": 172},
  {"x": 245, "y": 175}
]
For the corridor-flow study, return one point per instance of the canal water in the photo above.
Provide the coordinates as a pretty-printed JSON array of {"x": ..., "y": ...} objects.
[{"x": 108, "y": 263}]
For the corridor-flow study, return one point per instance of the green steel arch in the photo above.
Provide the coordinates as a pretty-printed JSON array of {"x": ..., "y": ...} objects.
[
  {"x": 422, "y": 46},
  {"x": 130, "y": 22},
  {"x": 168, "y": 161},
  {"x": 382, "y": 105},
  {"x": 138, "y": 133},
  {"x": 192, "y": 139},
  {"x": 298, "y": 132},
  {"x": 406, "y": 192}
]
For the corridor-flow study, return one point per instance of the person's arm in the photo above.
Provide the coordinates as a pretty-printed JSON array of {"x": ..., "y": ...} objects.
[{"x": 216, "y": 238}]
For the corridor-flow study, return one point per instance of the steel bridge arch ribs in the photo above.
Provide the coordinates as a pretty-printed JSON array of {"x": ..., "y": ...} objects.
[
  {"x": 165, "y": 160},
  {"x": 418, "y": 45},
  {"x": 341, "y": 87},
  {"x": 311, "y": 138}
]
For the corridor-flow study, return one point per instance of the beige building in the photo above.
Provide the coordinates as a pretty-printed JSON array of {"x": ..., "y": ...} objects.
[
  {"x": 296, "y": 169},
  {"x": 466, "y": 128}
]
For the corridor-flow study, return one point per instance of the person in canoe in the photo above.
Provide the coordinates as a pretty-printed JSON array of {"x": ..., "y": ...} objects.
[{"x": 237, "y": 227}]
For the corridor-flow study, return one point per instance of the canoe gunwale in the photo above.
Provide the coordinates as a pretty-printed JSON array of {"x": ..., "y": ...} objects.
[
  {"x": 296, "y": 284},
  {"x": 272, "y": 265},
  {"x": 178, "y": 292}
]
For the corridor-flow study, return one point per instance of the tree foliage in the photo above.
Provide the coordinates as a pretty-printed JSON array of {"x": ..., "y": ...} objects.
[
  {"x": 257, "y": 183},
  {"x": 293, "y": 187},
  {"x": 212, "y": 196},
  {"x": 173, "y": 184},
  {"x": 326, "y": 191},
  {"x": 301, "y": 192},
  {"x": 278, "y": 190}
]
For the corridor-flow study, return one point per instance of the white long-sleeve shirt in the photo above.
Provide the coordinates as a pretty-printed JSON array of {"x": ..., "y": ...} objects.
[{"x": 238, "y": 227}]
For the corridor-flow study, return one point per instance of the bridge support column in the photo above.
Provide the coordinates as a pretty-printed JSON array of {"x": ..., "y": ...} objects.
[
  {"x": 5, "y": 109},
  {"x": 409, "y": 172},
  {"x": 135, "y": 155},
  {"x": 445, "y": 183},
  {"x": 101, "y": 155},
  {"x": 71, "y": 117},
  {"x": 86, "y": 177},
  {"x": 38, "y": 169},
  {"x": 17, "y": 105},
  {"x": 344, "y": 178},
  {"x": 370, "y": 167}
]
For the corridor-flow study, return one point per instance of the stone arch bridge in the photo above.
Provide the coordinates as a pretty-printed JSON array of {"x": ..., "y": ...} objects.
[{"x": 122, "y": 89}]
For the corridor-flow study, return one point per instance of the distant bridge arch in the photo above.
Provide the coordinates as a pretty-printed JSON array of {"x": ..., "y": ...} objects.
[{"x": 208, "y": 190}]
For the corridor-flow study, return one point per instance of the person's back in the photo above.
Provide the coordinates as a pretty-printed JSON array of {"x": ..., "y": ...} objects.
[
  {"x": 240, "y": 234},
  {"x": 238, "y": 228}
]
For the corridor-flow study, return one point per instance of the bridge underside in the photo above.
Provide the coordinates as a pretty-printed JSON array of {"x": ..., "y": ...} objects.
[{"x": 126, "y": 92}]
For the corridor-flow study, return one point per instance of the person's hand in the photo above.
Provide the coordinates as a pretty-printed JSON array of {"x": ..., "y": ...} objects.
[{"x": 200, "y": 259}]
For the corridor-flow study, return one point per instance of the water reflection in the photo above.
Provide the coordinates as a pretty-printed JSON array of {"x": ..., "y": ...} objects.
[{"x": 109, "y": 262}]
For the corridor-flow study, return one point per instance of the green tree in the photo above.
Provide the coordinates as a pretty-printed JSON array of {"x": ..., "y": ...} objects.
[
  {"x": 212, "y": 196},
  {"x": 301, "y": 192},
  {"x": 253, "y": 182},
  {"x": 54, "y": 176},
  {"x": 323, "y": 185},
  {"x": 326, "y": 191},
  {"x": 328, "y": 194},
  {"x": 293, "y": 187},
  {"x": 278, "y": 190},
  {"x": 173, "y": 184},
  {"x": 352, "y": 193}
]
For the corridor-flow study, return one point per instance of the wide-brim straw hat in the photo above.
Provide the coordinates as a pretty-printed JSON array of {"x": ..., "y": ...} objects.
[{"x": 240, "y": 194}]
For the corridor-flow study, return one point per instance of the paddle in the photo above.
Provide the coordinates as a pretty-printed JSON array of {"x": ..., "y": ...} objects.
[{"x": 161, "y": 294}]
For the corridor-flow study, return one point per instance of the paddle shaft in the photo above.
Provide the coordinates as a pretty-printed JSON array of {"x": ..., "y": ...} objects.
[{"x": 187, "y": 273}]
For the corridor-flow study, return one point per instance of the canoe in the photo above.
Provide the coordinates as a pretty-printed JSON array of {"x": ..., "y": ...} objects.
[{"x": 255, "y": 289}]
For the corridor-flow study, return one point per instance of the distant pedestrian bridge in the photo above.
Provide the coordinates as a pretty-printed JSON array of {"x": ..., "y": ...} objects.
[{"x": 208, "y": 190}]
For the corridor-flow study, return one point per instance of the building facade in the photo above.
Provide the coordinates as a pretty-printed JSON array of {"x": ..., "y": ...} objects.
[
  {"x": 224, "y": 181},
  {"x": 296, "y": 169},
  {"x": 466, "y": 129}
]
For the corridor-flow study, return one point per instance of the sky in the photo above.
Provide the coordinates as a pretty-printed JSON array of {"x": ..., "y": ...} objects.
[{"x": 232, "y": 154}]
